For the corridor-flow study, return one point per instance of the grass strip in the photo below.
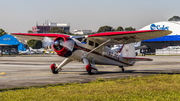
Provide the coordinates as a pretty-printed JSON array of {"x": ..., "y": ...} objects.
[{"x": 154, "y": 87}]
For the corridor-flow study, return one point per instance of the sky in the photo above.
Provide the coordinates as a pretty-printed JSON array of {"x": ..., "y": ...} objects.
[{"x": 22, "y": 15}]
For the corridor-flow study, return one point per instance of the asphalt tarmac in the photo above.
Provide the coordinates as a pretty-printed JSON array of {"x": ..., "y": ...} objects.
[{"x": 23, "y": 71}]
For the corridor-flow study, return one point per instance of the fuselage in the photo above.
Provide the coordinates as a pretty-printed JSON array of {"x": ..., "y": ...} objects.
[{"x": 102, "y": 55}]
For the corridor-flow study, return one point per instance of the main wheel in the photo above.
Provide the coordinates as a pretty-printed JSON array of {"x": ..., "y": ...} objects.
[
  {"x": 54, "y": 71},
  {"x": 53, "y": 68},
  {"x": 122, "y": 68},
  {"x": 90, "y": 73}
]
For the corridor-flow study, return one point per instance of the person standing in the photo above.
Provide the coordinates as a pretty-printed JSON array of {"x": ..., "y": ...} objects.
[
  {"x": 142, "y": 51},
  {"x": 145, "y": 52}
]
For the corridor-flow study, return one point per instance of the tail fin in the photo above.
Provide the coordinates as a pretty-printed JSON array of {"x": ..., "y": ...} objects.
[{"x": 128, "y": 50}]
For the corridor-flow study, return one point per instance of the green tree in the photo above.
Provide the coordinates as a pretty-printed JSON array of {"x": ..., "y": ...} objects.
[
  {"x": 56, "y": 30},
  {"x": 69, "y": 33},
  {"x": 2, "y": 32},
  {"x": 174, "y": 18},
  {"x": 130, "y": 29},
  {"x": 30, "y": 31},
  {"x": 36, "y": 44},
  {"x": 120, "y": 29},
  {"x": 105, "y": 29}
]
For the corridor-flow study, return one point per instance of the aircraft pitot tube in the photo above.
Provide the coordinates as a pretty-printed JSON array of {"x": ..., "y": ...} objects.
[{"x": 63, "y": 46}]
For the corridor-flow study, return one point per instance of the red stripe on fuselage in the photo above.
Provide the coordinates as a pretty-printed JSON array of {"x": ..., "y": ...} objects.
[{"x": 82, "y": 48}]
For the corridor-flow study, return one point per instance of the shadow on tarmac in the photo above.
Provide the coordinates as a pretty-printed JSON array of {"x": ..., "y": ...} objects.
[{"x": 169, "y": 72}]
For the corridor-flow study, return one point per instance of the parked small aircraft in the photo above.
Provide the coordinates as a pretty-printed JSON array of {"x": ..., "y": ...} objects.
[
  {"x": 93, "y": 49},
  {"x": 26, "y": 52},
  {"x": 137, "y": 46},
  {"x": 39, "y": 51}
]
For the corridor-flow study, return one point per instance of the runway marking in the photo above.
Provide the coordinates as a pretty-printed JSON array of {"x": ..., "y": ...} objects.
[
  {"x": 38, "y": 74},
  {"x": 47, "y": 74},
  {"x": 2, "y": 73}
]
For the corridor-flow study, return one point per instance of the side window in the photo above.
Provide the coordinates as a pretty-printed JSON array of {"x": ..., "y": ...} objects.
[
  {"x": 96, "y": 44},
  {"x": 91, "y": 43}
]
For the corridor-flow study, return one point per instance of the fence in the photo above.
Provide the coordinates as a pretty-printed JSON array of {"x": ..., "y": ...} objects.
[{"x": 167, "y": 52}]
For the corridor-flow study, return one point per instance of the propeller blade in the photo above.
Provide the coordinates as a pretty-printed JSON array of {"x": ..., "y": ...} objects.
[{"x": 69, "y": 44}]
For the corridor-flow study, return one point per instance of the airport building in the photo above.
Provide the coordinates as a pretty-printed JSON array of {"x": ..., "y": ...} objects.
[
  {"x": 162, "y": 42},
  {"x": 44, "y": 28},
  {"x": 10, "y": 44},
  {"x": 82, "y": 32}
]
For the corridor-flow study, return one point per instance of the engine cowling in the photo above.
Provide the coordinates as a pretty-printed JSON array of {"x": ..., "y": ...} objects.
[{"x": 63, "y": 46}]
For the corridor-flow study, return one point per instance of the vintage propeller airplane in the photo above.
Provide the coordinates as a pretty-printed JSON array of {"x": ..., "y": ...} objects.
[{"x": 93, "y": 49}]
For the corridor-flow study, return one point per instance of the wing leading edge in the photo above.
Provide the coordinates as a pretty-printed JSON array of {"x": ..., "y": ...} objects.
[
  {"x": 23, "y": 37},
  {"x": 125, "y": 37}
]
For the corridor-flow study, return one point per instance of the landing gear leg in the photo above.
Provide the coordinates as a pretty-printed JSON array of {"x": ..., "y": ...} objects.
[
  {"x": 122, "y": 68},
  {"x": 91, "y": 69},
  {"x": 56, "y": 68}
]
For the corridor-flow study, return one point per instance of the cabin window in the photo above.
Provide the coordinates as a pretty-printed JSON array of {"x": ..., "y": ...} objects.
[
  {"x": 91, "y": 43},
  {"x": 96, "y": 44}
]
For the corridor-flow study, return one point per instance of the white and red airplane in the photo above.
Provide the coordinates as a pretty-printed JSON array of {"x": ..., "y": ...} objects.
[{"x": 93, "y": 49}]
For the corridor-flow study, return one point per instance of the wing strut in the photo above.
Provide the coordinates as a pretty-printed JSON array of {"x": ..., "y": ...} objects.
[{"x": 97, "y": 47}]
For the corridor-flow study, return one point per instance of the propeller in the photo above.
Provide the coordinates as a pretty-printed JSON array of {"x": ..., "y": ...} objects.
[
  {"x": 59, "y": 43},
  {"x": 69, "y": 44}
]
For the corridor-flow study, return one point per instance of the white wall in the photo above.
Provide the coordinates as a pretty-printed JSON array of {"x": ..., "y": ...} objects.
[
  {"x": 165, "y": 25},
  {"x": 82, "y": 31}
]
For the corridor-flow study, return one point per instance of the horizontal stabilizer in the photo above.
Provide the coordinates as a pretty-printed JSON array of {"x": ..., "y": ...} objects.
[{"x": 138, "y": 59}]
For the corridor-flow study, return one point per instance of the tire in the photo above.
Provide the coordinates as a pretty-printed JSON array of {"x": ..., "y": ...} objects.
[
  {"x": 122, "y": 68},
  {"x": 90, "y": 73},
  {"x": 54, "y": 72}
]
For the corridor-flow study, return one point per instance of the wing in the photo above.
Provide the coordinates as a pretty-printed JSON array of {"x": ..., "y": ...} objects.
[
  {"x": 125, "y": 37},
  {"x": 24, "y": 37}
]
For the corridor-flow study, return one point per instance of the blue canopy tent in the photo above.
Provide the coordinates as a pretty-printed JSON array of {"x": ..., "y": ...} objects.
[
  {"x": 9, "y": 40},
  {"x": 165, "y": 38},
  {"x": 162, "y": 42}
]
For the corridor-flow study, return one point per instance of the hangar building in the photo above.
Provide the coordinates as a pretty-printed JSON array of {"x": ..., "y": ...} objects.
[
  {"x": 170, "y": 40},
  {"x": 9, "y": 43}
]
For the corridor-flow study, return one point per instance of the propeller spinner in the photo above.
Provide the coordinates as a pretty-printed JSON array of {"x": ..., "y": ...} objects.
[{"x": 63, "y": 46}]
